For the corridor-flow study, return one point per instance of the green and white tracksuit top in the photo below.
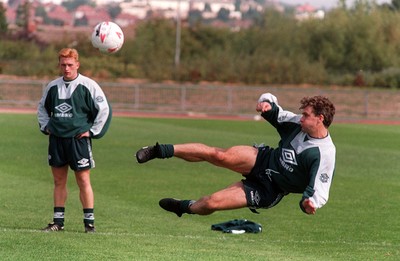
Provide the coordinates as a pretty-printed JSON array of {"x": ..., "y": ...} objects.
[
  {"x": 300, "y": 164},
  {"x": 69, "y": 108}
]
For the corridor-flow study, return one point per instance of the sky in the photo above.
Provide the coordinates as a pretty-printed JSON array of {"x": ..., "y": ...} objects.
[{"x": 325, "y": 3}]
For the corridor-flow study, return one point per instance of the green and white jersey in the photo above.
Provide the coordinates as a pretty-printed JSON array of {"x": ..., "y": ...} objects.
[
  {"x": 300, "y": 164},
  {"x": 68, "y": 108}
]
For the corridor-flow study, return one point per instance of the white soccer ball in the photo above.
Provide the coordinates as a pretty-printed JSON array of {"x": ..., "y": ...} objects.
[{"x": 107, "y": 37}]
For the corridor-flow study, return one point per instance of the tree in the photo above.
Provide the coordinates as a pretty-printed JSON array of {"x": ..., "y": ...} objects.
[
  {"x": 223, "y": 14},
  {"x": 396, "y": 5},
  {"x": 195, "y": 17},
  {"x": 207, "y": 7},
  {"x": 154, "y": 48},
  {"x": 3, "y": 20},
  {"x": 73, "y": 4},
  {"x": 342, "y": 4},
  {"x": 237, "y": 5},
  {"x": 114, "y": 10},
  {"x": 23, "y": 18}
]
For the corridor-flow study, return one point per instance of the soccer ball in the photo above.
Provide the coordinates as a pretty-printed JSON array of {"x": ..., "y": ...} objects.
[{"x": 107, "y": 37}]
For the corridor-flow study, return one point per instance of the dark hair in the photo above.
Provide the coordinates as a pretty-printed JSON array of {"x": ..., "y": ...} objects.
[{"x": 321, "y": 106}]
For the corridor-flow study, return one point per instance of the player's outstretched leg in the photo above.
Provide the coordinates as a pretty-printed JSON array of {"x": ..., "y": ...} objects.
[
  {"x": 157, "y": 151},
  {"x": 177, "y": 206}
]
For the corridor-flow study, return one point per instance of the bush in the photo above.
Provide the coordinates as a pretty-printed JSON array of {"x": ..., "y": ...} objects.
[{"x": 275, "y": 49}]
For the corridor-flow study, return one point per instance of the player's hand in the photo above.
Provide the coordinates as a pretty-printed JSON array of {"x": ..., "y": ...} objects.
[
  {"x": 263, "y": 106},
  {"x": 309, "y": 207},
  {"x": 85, "y": 134}
]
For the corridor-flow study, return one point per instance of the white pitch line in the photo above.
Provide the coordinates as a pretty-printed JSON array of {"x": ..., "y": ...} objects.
[{"x": 222, "y": 237}]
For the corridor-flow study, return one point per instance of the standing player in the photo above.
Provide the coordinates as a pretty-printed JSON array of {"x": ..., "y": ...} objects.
[
  {"x": 72, "y": 111},
  {"x": 303, "y": 162}
]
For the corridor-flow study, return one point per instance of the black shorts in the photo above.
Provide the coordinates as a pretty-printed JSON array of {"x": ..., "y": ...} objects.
[
  {"x": 261, "y": 191},
  {"x": 77, "y": 153}
]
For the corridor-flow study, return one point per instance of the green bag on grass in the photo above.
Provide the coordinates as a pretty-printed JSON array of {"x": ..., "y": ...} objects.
[{"x": 238, "y": 226}]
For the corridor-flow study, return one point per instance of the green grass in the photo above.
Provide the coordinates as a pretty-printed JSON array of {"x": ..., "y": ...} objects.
[{"x": 360, "y": 221}]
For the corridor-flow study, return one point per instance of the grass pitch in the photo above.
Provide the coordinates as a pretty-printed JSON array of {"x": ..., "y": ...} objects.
[{"x": 360, "y": 221}]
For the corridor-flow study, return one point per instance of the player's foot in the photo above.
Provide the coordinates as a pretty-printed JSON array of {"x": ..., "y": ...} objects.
[
  {"x": 89, "y": 228},
  {"x": 147, "y": 153},
  {"x": 172, "y": 205},
  {"x": 53, "y": 227}
]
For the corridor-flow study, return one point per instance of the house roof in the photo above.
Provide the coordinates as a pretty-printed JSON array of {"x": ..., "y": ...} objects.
[
  {"x": 124, "y": 19},
  {"x": 92, "y": 15},
  {"x": 59, "y": 12},
  {"x": 306, "y": 8}
]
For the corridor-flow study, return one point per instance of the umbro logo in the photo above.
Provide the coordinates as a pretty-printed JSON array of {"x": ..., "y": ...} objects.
[
  {"x": 83, "y": 162},
  {"x": 64, "y": 107},
  {"x": 255, "y": 198},
  {"x": 289, "y": 156},
  {"x": 324, "y": 178},
  {"x": 99, "y": 99}
]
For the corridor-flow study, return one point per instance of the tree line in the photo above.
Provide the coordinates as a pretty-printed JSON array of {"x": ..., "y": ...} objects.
[{"x": 357, "y": 46}]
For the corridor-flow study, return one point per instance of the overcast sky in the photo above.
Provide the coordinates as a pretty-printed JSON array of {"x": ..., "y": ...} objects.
[{"x": 325, "y": 3}]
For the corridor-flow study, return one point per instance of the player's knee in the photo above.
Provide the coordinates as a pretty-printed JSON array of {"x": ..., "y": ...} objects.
[
  {"x": 220, "y": 156},
  {"x": 60, "y": 183}
]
